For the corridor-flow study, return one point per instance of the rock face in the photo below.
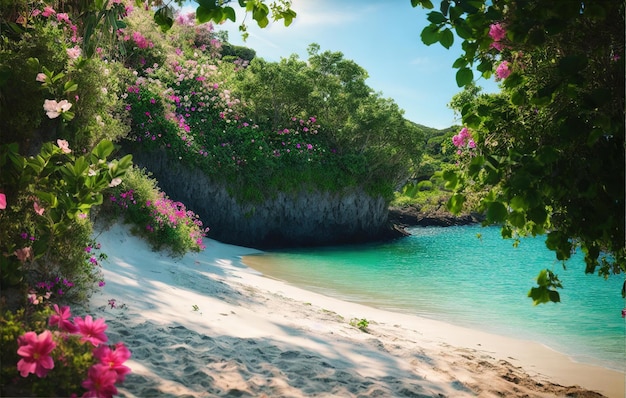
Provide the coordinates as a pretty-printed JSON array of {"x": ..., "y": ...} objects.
[
  {"x": 412, "y": 216},
  {"x": 301, "y": 219}
]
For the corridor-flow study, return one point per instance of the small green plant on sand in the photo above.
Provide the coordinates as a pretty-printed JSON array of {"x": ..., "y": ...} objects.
[{"x": 360, "y": 324}]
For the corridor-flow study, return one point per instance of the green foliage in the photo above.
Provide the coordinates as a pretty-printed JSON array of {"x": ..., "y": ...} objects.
[
  {"x": 49, "y": 197},
  {"x": 548, "y": 152},
  {"x": 220, "y": 12}
]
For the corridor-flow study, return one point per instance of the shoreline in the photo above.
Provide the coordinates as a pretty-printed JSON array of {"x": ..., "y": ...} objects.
[
  {"x": 263, "y": 264},
  {"x": 208, "y": 325}
]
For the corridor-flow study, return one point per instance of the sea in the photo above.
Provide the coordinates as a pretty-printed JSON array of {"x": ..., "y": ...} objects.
[{"x": 469, "y": 276}]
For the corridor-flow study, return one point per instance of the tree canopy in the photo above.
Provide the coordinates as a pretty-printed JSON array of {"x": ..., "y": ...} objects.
[{"x": 546, "y": 154}]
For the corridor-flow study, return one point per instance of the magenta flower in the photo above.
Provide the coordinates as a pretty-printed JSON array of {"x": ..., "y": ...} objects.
[
  {"x": 91, "y": 331},
  {"x": 100, "y": 382},
  {"x": 3, "y": 201},
  {"x": 497, "y": 32},
  {"x": 35, "y": 352},
  {"x": 114, "y": 359},
  {"x": 61, "y": 320},
  {"x": 503, "y": 70}
]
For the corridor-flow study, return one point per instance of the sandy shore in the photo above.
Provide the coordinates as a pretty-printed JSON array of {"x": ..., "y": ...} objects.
[{"x": 205, "y": 325}]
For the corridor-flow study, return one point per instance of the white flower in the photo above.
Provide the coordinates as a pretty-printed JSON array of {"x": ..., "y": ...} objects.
[
  {"x": 115, "y": 182},
  {"x": 54, "y": 109}
]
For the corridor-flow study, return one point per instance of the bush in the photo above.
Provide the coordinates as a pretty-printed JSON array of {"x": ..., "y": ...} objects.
[{"x": 162, "y": 221}]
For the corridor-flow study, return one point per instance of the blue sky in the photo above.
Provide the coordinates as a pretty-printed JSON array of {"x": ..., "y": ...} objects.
[{"x": 383, "y": 37}]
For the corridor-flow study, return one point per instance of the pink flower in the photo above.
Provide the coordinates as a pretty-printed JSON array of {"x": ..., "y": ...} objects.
[
  {"x": 624, "y": 313},
  {"x": 3, "y": 201},
  {"x": 48, "y": 11},
  {"x": 497, "y": 32},
  {"x": 35, "y": 352},
  {"x": 497, "y": 45},
  {"x": 61, "y": 318},
  {"x": 54, "y": 109},
  {"x": 38, "y": 209},
  {"x": 503, "y": 70},
  {"x": 114, "y": 359},
  {"x": 41, "y": 77},
  {"x": 23, "y": 254},
  {"x": 91, "y": 331},
  {"x": 63, "y": 17},
  {"x": 64, "y": 145},
  {"x": 100, "y": 382},
  {"x": 73, "y": 52}
]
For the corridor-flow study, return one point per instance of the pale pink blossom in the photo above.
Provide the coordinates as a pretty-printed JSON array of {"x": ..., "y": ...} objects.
[
  {"x": 115, "y": 182},
  {"x": 64, "y": 145},
  {"x": 41, "y": 77},
  {"x": 73, "y": 52},
  {"x": 23, "y": 254},
  {"x": 54, "y": 109},
  {"x": 38, "y": 209}
]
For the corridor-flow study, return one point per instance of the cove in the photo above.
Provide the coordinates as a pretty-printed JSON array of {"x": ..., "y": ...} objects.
[{"x": 471, "y": 277}]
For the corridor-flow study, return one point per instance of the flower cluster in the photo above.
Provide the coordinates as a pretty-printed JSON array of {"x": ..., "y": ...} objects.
[
  {"x": 497, "y": 32},
  {"x": 39, "y": 351},
  {"x": 43, "y": 290},
  {"x": 463, "y": 140},
  {"x": 169, "y": 214}
]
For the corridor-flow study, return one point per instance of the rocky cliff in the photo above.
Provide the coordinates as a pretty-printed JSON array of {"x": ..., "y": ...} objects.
[{"x": 303, "y": 218}]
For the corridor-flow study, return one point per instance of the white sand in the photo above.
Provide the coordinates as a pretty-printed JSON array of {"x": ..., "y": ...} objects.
[{"x": 258, "y": 337}]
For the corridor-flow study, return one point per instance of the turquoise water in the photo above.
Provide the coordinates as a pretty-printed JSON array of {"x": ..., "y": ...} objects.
[{"x": 452, "y": 275}]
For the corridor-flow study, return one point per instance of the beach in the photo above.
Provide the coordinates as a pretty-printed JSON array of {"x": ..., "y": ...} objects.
[{"x": 205, "y": 325}]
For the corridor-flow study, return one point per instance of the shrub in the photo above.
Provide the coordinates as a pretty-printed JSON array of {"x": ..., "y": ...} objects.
[{"x": 162, "y": 221}]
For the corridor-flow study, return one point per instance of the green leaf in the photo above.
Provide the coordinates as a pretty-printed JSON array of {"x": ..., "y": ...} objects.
[
  {"x": 464, "y": 76},
  {"x": 446, "y": 38},
  {"x": 462, "y": 29},
  {"x": 229, "y": 13},
  {"x": 518, "y": 203},
  {"x": 451, "y": 179},
  {"x": 430, "y": 34},
  {"x": 455, "y": 203},
  {"x": 436, "y": 17},
  {"x": 164, "y": 18},
  {"x": 459, "y": 63},
  {"x": 103, "y": 149},
  {"x": 496, "y": 212},
  {"x": 70, "y": 86},
  {"x": 518, "y": 97},
  {"x": 572, "y": 64}
]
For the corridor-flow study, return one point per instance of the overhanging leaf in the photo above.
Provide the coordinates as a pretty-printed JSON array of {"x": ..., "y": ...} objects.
[{"x": 464, "y": 76}]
